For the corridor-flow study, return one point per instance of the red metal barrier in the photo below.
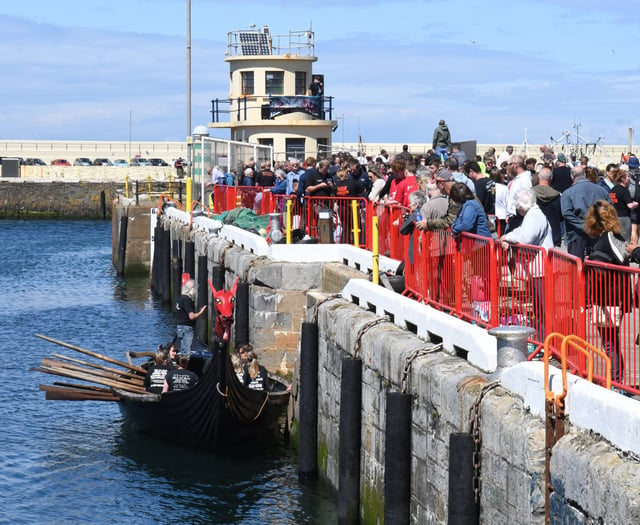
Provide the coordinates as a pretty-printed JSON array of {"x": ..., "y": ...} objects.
[
  {"x": 612, "y": 321},
  {"x": 224, "y": 198},
  {"x": 342, "y": 215},
  {"x": 522, "y": 288},
  {"x": 477, "y": 292},
  {"x": 439, "y": 285},
  {"x": 566, "y": 300}
]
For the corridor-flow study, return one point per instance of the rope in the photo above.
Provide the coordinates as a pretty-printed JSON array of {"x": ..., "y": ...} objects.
[
  {"x": 262, "y": 407},
  {"x": 219, "y": 392},
  {"x": 363, "y": 329},
  {"x": 420, "y": 352}
]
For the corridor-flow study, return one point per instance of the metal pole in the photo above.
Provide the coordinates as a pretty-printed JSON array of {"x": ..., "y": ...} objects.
[
  {"x": 189, "y": 86},
  {"x": 130, "y": 112}
]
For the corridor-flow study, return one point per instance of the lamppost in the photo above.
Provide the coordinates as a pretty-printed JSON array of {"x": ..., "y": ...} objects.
[
  {"x": 342, "y": 118},
  {"x": 189, "y": 86},
  {"x": 130, "y": 113}
]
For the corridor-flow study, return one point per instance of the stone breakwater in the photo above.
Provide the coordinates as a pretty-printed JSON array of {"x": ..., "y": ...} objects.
[{"x": 78, "y": 200}]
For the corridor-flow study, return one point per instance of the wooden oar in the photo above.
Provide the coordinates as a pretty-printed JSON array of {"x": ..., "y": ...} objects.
[
  {"x": 93, "y": 354},
  {"x": 98, "y": 367},
  {"x": 90, "y": 378},
  {"x": 53, "y": 363},
  {"x": 72, "y": 394},
  {"x": 83, "y": 387}
]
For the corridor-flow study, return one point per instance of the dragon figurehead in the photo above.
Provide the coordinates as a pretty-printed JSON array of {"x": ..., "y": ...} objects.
[{"x": 224, "y": 301}]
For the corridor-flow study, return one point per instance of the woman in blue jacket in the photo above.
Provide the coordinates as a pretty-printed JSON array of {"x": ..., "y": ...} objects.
[{"x": 471, "y": 218}]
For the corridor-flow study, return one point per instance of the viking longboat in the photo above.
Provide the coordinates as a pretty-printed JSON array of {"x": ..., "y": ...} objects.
[{"x": 216, "y": 412}]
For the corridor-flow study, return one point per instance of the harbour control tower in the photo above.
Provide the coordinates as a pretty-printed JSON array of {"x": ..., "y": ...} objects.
[{"x": 275, "y": 98}]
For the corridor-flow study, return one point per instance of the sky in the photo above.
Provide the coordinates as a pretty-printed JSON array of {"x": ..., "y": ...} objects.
[{"x": 498, "y": 72}]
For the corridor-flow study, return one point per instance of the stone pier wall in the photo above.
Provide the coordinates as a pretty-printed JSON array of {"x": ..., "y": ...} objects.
[{"x": 594, "y": 481}]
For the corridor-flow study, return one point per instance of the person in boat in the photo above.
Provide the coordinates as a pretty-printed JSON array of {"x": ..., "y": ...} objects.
[
  {"x": 172, "y": 348},
  {"x": 179, "y": 378},
  {"x": 237, "y": 367},
  {"x": 243, "y": 353},
  {"x": 154, "y": 380},
  {"x": 255, "y": 375},
  {"x": 187, "y": 316}
]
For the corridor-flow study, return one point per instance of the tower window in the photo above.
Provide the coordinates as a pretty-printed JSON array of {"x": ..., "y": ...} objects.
[
  {"x": 274, "y": 82},
  {"x": 301, "y": 82},
  {"x": 247, "y": 82}
]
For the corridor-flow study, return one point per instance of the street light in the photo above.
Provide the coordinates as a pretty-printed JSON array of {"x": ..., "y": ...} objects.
[
  {"x": 130, "y": 113},
  {"x": 188, "y": 84},
  {"x": 342, "y": 118}
]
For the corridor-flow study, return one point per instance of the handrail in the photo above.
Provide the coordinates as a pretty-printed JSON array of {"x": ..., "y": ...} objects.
[
  {"x": 194, "y": 205},
  {"x": 164, "y": 198}
]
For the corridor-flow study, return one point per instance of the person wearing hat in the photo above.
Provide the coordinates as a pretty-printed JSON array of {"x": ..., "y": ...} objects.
[
  {"x": 561, "y": 174},
  {"x": 444, "y": 181}
]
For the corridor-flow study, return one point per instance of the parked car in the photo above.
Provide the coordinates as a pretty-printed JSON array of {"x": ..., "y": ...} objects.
[
  {"x": 82, "y": 161},
  {"x": 20, "y": 160},
  {"x": 60, "y": 162},
  {"x": 34, "y": 162},
  {"x": 102, "y": 162},
  {"x": 158, "y": 162},
  {"x": 139, "y": 161},
  {"x": 120, "y": 162}
]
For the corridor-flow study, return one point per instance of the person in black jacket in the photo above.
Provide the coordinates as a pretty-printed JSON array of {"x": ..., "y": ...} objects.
[
  {"x": 609, "y": 291},
  {"x": 548, "y": 198}
]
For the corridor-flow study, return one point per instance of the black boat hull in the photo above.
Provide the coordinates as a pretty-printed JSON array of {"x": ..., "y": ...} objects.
[{"x": 215, "y": 413}]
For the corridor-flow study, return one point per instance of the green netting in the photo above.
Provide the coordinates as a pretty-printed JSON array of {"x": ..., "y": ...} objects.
[{"x": 246, "y": 219}]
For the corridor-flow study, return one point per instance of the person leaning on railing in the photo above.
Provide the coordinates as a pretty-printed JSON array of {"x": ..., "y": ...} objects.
[
  {"x": 608, "y": 290},
  {"x": 445, "y": 181}
]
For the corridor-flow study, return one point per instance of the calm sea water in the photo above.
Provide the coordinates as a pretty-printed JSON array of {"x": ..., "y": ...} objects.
[{"x": 77, "y": 462}]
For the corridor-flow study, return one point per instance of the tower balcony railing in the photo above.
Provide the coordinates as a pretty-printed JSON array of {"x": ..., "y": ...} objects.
[
  {"x": 251, "y": 108},
  {"x": 260, "y": 42}
]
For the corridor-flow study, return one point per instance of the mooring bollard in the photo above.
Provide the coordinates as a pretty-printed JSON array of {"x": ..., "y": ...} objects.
[{"x": 512, "y": 344}]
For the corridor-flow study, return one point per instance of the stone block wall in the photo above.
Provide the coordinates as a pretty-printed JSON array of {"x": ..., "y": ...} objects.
[
  {"x": 594, "y": 483},
  {"x": 77, "y": 200}
]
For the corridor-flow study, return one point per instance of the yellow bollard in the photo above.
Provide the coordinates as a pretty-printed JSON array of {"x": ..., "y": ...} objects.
[
  {"x": 374, "y": 251},
  {"x": 288, "y": 221},
  {"x": 189, "y": 193},
  {"x": 356, "y": 223},
  {"x": 126, "y": 186},
  {"x": 149, "y": 186}
]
